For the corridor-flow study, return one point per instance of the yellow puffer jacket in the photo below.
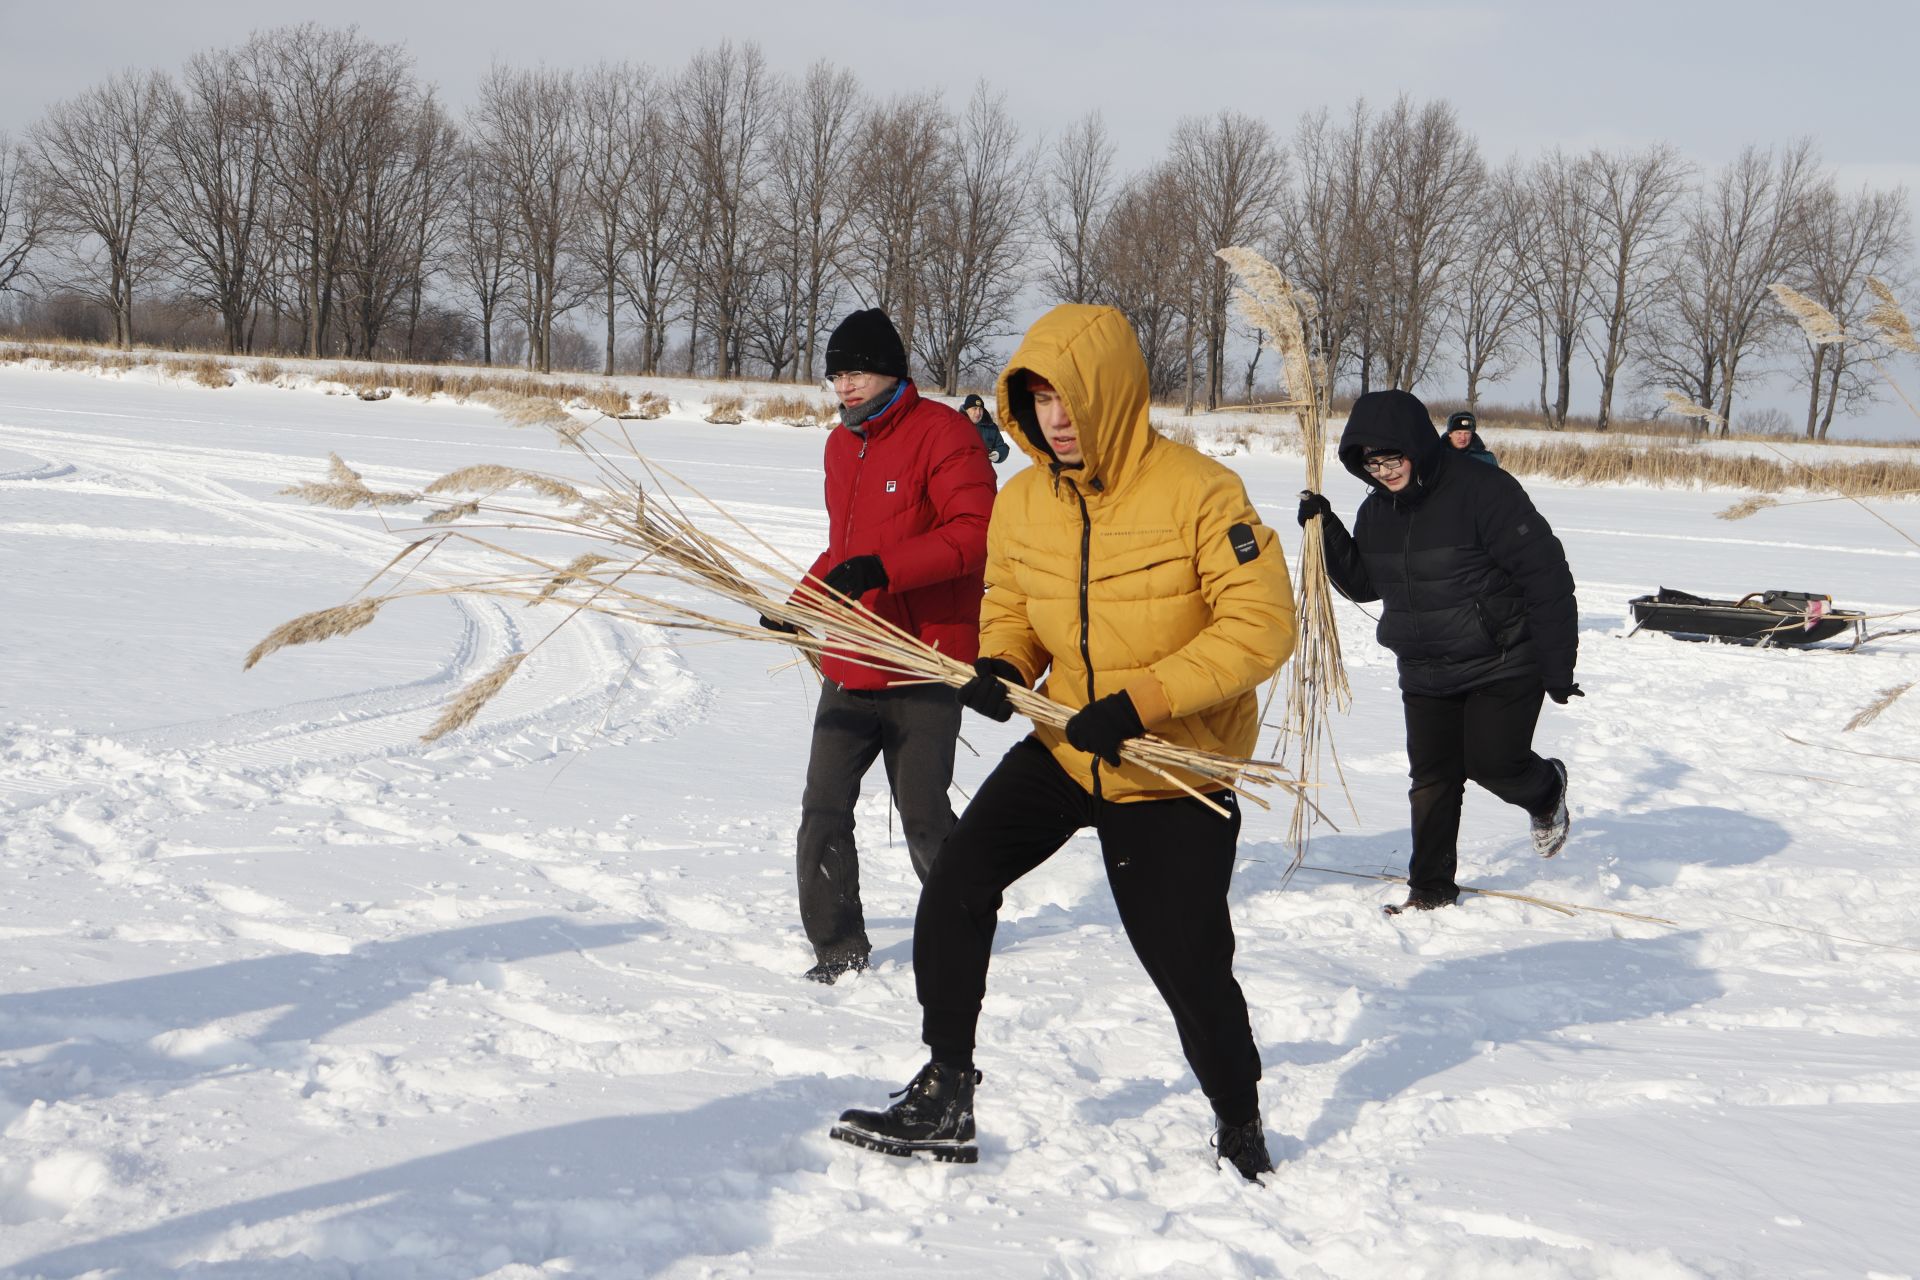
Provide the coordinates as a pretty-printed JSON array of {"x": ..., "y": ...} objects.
[{"x": 1145, "y": 570}]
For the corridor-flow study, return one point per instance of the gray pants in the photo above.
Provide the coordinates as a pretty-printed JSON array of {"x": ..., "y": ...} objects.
[{"x": 913, "y": 730}]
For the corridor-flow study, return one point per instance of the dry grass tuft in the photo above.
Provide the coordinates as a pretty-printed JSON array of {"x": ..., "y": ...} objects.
[
  {"x": 1682, "y": 465},
  {"x": 793, "y": 411},
  {"x": 727, "y": 411},
  {"x": 1179, "y": 433},
  {"x": 1685, "y": 408},
  {"x": 649, "y": 405},
  {"x": 488, "y": 478},
  {"x": 323, "y": 624},
  {"x": 461, "y": 711},
  {"x": 1746, "y": 507},
  {"x": 1888, "y": 322},
  {"x": 267, "y": 373},
  {"x": 1867, "y": 714},
  {"x": 576, "y": 571},
  {"x": 611, "y": 401},
  {"x": 524, "y": 410},
  {"x": 344, "y": 490},
  {"x": 447, "y": 515},
  {"x": 1815, "y": 320},
  {"x": 208, "y": 372}
]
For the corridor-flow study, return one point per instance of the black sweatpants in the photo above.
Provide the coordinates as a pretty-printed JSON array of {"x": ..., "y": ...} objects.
[
  {"x": 913, "y": 729},
  {"x": 1169, "y": 863},
  {"x": 1485, "y": 734}
]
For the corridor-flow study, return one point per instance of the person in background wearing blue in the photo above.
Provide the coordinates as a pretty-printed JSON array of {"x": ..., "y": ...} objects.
[
  {"x": 990, "y": 438},
  {"x": 1463, "y": 433}
]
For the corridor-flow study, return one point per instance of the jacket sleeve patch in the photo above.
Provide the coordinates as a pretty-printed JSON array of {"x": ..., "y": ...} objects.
[{"x": 1245, "y": 546}]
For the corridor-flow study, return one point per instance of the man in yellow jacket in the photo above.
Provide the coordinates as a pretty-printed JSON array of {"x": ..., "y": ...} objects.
[{"x": 1131, "y": 576}]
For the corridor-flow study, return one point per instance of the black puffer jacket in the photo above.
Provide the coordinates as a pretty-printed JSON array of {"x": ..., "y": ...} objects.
[{"x": 1474, "y": 585}]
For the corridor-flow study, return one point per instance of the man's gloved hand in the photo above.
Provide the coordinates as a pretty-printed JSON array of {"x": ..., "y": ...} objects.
[
  {"x": 774, "y": 624},
  {"x": 1103, "y": 724},
  {"x": 985, "y": 694},
  {"x": 1565, "y": 691},
  {"x": 856, "y": 576},
  {"x": 1313, "y": 504}
]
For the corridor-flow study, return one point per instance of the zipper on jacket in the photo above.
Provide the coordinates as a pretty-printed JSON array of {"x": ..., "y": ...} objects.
[
  {"x": 1086, "y": 621},
  {"x": 1406, "y": 569}
]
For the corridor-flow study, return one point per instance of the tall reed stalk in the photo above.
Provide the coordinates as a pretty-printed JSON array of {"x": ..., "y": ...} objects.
[
  {"x": 633, "y": 544},
  {"x": 1317, "y": 677}
]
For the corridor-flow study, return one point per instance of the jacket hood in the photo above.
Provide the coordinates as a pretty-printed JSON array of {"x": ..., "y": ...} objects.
[
  {"x": 1092, "y": 358},
  {"x": 1392, "y": 420}
]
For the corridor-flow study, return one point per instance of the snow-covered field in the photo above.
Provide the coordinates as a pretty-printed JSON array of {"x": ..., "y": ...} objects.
[{"x": 285, "y": 994}]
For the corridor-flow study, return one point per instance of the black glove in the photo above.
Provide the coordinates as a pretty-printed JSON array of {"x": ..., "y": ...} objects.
[
  {"x": 985, "y": 694},
  {"x": 1561, "y": 693},
  {"x": 1103, "y": 724},
  {"x": 1000, "y": 454},
  {"x": 1313, "y": 504},
  {"x": 774, "y": 624},
  {"x": 855, "y": 577}
]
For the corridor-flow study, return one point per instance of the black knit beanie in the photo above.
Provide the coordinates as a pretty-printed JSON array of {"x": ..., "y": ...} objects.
[{"x": 867, "y": 342}]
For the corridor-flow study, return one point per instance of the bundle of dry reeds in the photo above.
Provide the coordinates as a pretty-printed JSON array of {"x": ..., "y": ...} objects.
[
  {"x": 1318, "y": 675},
  {"x": 635, "y": 543}
]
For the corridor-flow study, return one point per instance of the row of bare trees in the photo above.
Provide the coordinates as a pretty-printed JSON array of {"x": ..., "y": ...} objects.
[{"x": 309, "y": 193}]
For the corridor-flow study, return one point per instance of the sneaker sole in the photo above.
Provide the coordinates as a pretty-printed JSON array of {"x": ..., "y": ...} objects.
[{"x": 944, "y": 1152}]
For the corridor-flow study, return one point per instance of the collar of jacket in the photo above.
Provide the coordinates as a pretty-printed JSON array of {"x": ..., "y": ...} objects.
[{"x": 904, "y": 394}]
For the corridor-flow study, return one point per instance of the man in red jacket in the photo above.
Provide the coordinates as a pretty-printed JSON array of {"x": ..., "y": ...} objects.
[{"x": 909, "y": 492}]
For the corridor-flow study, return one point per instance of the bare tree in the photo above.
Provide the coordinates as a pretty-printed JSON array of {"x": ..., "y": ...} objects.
[
  {"x": 215, "y": 196},
  {"x": 438, "y": 171},
  {"x": 96, "y": 157},
  {"x": 478, "y": 251},
  {"x": 1487, "y": 303},
  {"x": 972, "y": 267},
  {"x": 1741, "y": 232},
  {"x": 1431, "y": 183},
  {"x": 1847, "y": 239},
  {"x": 1560, "y": 243},
  {"x": 655, "y": 221},
  {"x": 399, "y": 141},
  {"x": 809, "y": 182},
  {"x": 23, "y": 214},
  {"x": 1146, "y": 264},
  {"x": 613, "y": 106},
  {"x": 723, "y": 116},
  {"x": 1078, "y": 184},
  {"x": 328, "y": 95},
  {"x": 1325, "y": 225},
  {"x": 903, "y": 151},
  {"x": 1633, "y": 196},
  {"x": 526, "y": 125},
  {"x": 1234, "y": 173}
]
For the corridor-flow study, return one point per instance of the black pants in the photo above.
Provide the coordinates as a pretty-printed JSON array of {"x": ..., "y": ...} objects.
[
  {"x": 1168, "y": 862},
  {"x": 913, "y": 730},
  {"x": 1485, "y": 734}
]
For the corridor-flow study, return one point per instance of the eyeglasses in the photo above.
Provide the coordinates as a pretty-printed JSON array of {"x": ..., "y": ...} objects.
[
  {"x": 1384, "y": 462},
  {"x": 850, "y": 375}
]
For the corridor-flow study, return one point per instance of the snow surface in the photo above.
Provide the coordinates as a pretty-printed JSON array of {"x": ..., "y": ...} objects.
[{"x": 284, "y": 993}]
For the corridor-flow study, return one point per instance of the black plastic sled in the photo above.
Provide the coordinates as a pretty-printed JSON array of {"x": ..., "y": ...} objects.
[{"x": 1788, "y": 619}]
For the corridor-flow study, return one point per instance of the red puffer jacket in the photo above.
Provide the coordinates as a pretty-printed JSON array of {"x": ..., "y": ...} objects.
[{"x": 913, "y": 487}]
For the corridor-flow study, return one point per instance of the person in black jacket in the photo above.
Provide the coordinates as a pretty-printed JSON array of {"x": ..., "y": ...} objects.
[
  {"x": 990, "y": 438},
  {"x": 1477, "y": 604},
  {"x": 1463, "y": 433}
]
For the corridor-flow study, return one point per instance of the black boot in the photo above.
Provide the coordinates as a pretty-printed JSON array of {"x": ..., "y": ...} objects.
[
  {"x": 1549, "y": 826},
  {"x": 827, "y": 972},
  {"x": 1418, "y": 902},
  {"x": 1244, "y": 1146},
  {"x": 935, "y": 1115}
]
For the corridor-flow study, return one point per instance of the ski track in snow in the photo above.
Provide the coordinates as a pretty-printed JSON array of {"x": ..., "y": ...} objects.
[{"x": 288, "y": 994}]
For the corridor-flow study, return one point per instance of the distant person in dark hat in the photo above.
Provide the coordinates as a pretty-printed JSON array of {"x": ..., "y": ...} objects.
[
  {"x": 996, "y": 444},
  {"x": 1463, "y": 433},
  {"x": 908, "y": 497},
  {"x": 1477, "y": 604}
]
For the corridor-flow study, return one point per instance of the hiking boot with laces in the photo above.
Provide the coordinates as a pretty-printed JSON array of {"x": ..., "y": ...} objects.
[
  {"x": 827, "y": 972},
  {"x": 1417, "y": 902},
  {"x": 1244, "y": 1146},
  {"x": 1550, "y": 824},
  {"x": 933, "y": 1117}
]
